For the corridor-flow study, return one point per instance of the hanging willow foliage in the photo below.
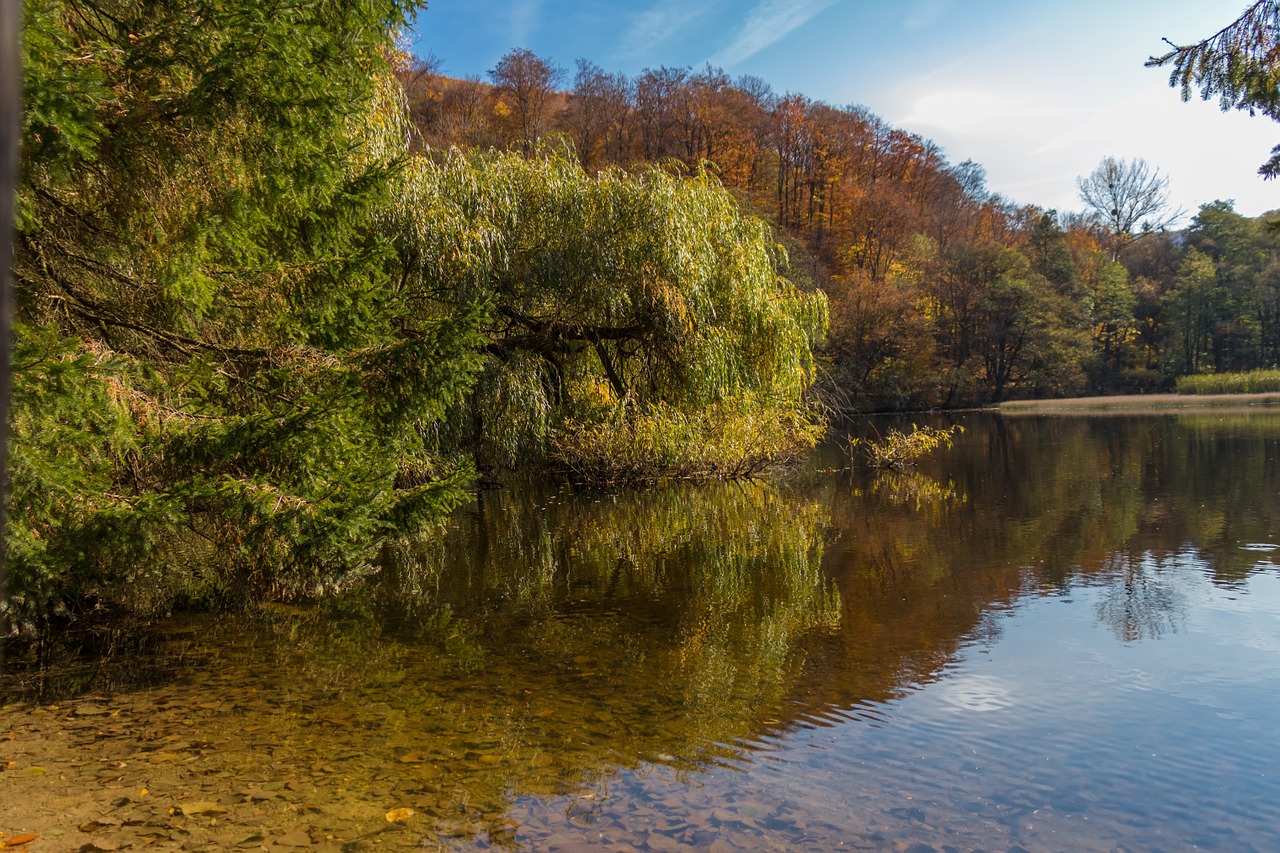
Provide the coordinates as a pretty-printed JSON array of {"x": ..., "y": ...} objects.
[{"x": 638, "y": 325}]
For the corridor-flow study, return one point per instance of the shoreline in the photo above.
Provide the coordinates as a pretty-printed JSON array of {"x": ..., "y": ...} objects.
[{"x": 1140, "y": 403}]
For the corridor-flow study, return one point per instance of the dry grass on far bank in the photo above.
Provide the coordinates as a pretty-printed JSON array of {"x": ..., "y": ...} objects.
[{"x": 1139, "y": 404}]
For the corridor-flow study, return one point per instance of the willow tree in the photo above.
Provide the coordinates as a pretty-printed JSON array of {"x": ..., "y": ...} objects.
[
  {"x": 217, "y": 385},
  {"x": 637, "y": 325}
]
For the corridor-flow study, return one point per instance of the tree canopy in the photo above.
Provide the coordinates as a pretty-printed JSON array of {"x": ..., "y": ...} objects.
[
  {"x": 216, "y": 384},
  {"x": 1127, "y": 195},
  {"x": 630, "y": 318},
  {"x": 256, "y": 339}
]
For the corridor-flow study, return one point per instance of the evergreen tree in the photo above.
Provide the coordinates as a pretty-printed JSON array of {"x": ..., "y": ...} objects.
[
  {"x": 1238, "y": 64},
  {"x": 218, "y": 385}
]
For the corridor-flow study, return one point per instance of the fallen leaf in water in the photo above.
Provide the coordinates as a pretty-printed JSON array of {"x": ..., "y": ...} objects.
[
  {"x": 144, "y": 792},
  {"x": 297, "y": 838},
  {"x": 34, "y": 771},
  {"x": 100, "y": 844},
  {"x": 19, "y": 840},
  {"x": 398, "y": 815},
  {"x": 201, "y": 807}
]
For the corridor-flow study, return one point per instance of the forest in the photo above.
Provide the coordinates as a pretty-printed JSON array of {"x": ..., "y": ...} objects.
[
  {"x": 942, "y": 293},
  {"x": 285, "y": 294}
]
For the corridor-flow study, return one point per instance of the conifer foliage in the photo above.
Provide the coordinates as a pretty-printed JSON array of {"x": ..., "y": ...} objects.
[
  {"x": 217, "y": 384},
  {"x": 1239, "y": 64}
]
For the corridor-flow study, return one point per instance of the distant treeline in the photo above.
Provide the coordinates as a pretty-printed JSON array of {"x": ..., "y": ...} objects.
[{"x": 941, "y": 293}]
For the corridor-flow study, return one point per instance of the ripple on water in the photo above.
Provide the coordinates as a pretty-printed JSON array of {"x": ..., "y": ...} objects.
[{"x": 977, "y": 693}]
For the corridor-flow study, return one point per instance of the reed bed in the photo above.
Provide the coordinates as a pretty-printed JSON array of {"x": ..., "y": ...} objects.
[{"x": 1252, "y": 382}]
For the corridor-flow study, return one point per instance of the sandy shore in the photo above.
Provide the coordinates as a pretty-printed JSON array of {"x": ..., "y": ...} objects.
[{"x": 1138, "y": 403}]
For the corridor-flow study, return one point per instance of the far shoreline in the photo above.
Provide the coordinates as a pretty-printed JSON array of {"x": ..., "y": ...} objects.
[{"x": 1140, "y": 403}]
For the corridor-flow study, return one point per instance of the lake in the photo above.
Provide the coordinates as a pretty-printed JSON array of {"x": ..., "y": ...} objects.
[{"x": 1061, "y": 634}]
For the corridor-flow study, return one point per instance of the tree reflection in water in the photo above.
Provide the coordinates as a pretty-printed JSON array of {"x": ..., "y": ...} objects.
[
  {"x": 562, "y": 658},
  {"x": 1140, "y": 603}
]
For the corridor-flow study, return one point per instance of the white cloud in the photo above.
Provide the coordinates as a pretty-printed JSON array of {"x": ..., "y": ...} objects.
[
  {"x": 1034, "y": 148},
  {"x": 768, "y": 23},
  {"x": 659, "y": 24},
  {"x": 962, "y": 111}
]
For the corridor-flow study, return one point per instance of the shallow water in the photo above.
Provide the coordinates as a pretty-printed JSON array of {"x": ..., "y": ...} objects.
[{"x": 1060, "y": 635}]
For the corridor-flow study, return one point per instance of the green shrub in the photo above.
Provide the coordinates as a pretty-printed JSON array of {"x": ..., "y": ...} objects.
[
  {"x": 739, "y": 436},
  {"x": 900, "y": 450}
]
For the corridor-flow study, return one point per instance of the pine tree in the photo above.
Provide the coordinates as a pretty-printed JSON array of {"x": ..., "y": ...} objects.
[
  {"x": 218, "y": 385},
  {"x": 1238, "y": 65}
]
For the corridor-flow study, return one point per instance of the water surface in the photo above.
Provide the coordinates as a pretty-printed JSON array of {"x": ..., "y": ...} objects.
[{"x": 1060, "y": 635}]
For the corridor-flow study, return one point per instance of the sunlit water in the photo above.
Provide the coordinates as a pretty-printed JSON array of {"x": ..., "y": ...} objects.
[{"x": 1064, "y": 634}]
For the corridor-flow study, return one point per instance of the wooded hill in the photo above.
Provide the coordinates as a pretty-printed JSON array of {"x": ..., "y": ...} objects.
[{"x": 941, "y": 292}]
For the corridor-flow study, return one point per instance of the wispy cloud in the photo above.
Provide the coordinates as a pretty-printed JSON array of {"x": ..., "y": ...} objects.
[
  {"x": 767, "y": 24},
  {"x": 525, "y": 17},
  {"x": 653, "y": 27},
  {"x": 925, "y": 13}
]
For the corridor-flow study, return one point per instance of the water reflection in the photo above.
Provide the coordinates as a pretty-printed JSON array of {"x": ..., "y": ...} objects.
[
  {"x": 748, "y": 664},
  {"x": 911, "y": 488},
  {"x": 550, "y": 640},
  {"x": 1142, "y": 600}
]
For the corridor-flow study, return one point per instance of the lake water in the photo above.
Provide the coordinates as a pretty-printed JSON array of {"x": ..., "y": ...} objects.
[{"x": 1062, "y": 634}]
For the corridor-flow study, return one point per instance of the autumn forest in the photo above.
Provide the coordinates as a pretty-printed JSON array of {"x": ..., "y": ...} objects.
[{"x": 941, "y": 293}]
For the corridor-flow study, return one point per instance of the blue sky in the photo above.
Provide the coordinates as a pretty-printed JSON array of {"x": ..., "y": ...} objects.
[{"x": 1036, "y": 92}]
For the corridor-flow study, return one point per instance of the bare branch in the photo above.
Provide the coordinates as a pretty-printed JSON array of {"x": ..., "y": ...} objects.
[{"x": 1128, "y": 196}]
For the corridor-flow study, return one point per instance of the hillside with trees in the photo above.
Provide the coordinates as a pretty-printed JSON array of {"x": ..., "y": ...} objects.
[{"x": 941, "y": 292}]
